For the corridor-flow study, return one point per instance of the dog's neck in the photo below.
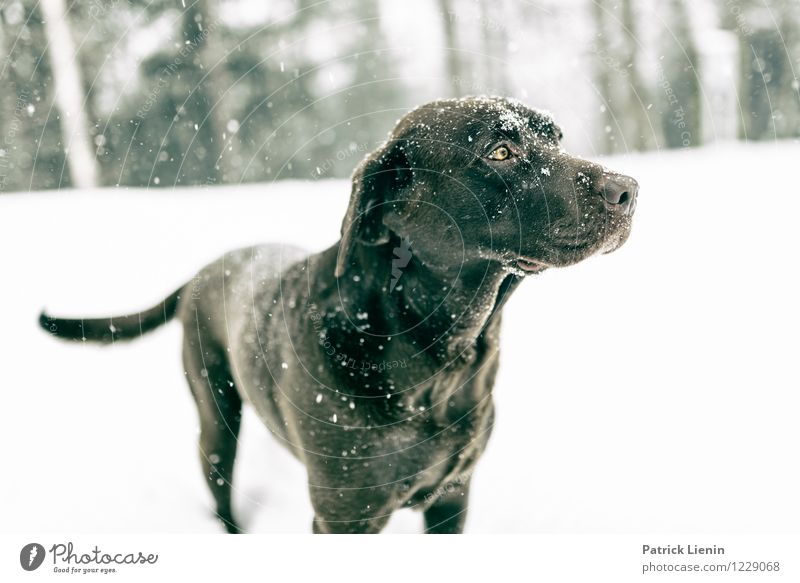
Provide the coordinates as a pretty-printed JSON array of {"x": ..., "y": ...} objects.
[
  {"x": 438, "y": 324},
  {"x": 457, "y": 305},
  {"x": 445, "y": 309}
]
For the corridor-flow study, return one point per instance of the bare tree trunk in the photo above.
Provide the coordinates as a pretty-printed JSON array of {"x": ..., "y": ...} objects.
[
  {"x": 602, "y": 51},
  {"x": 769, "y": 89},
  {"x": 69, "y": 95},
  {"x": 789, "y": 102},
  {"x": 682, "y": 115},
  {"x": 495, "y": 45},
  {"x": 637, "y": 93},
  {"x": 453, "y": 59},
  {"x": 200, "y": 23},
  {"x": 626, "y": 124}
]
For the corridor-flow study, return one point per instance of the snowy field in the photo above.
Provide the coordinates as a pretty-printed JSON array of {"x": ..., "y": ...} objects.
[{"x": 660, "y": 394}]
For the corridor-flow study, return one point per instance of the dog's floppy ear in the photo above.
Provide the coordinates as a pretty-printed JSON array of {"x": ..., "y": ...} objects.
[{"x": 376, "y": 181}]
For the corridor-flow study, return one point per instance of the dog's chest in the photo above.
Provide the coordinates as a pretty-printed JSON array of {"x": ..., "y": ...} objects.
[{"x": 405, "y": 458}]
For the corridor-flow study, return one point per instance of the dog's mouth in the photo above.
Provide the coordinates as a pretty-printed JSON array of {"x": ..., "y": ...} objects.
[
  {"x": 529, "y": 265},
  {"x": 571, "y": 250},
  {"x": 617, "y": 239}
]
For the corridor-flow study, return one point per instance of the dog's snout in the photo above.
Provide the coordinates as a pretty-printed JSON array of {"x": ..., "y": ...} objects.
[{"x": 619, "y": 192}]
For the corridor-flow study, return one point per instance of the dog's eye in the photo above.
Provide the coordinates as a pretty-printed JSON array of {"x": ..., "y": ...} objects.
[{"x": 500, "y": 153}]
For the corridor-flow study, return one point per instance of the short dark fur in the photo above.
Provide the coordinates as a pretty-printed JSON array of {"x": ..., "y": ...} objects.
[{"x": 374, "y": 364}]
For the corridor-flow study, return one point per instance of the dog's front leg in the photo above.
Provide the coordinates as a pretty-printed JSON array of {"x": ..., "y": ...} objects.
[
  {"x": 350, "y": 511},
  {"x": 323, "y": 525},
  {"x": 448, "y": 513}
]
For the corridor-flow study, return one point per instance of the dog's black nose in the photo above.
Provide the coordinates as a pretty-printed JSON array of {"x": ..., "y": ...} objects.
[{"x": 619, "y": 192}]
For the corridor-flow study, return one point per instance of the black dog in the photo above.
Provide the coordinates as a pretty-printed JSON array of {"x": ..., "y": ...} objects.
[{"x": 373, "y": 361}]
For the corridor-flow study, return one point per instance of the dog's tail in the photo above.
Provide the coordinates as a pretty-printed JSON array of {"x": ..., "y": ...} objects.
[{"x": 108, "y": 330}]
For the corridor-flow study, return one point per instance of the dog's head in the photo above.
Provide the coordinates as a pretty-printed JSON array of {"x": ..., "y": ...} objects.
[{"x": 486, "y": 179}]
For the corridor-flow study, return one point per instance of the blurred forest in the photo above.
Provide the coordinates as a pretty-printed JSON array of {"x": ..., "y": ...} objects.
[{"x": 201, "y": 92}]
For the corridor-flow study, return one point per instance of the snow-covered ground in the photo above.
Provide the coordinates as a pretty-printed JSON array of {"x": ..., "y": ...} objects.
[{"x": 655, "y": 389}]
